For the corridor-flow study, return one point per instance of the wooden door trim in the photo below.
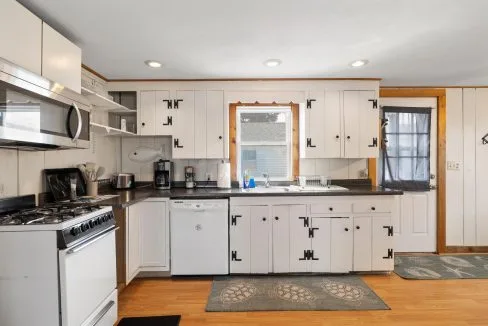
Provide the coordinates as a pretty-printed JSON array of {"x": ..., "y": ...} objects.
[
  {"x": 440, "y": 94},
  {"x": 295, "y": 134}
]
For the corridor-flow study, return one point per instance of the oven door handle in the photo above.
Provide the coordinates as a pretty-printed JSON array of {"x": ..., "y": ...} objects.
[
  {"x": 80, "y": 123},
  {"x": 90, "y": 240},
  {"x": 102, "y": 313}
]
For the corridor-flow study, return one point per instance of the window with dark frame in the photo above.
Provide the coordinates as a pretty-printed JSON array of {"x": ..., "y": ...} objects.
[{"x": 406, "y": 148}]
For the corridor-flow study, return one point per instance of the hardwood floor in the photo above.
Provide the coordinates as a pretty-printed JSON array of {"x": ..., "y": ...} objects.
[{"x": 442, "y": 303}]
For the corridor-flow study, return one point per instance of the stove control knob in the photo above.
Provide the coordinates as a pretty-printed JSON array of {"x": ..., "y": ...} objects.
[
  {"x": 105, "y": 218},
  {"x": 84, "y": 227},
  {"x": 92, "y": 223},
  {"x": 74, "y": 231},
  {"x": 97, "y": 221}
]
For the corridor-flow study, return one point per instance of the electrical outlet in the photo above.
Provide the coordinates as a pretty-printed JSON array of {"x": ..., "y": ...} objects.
[
  {"x": 452, "y": 165},
  {"x": 208, "y": 176}
]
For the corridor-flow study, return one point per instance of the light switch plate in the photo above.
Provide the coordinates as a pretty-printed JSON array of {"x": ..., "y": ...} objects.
[{"x": 453, "y": 165}]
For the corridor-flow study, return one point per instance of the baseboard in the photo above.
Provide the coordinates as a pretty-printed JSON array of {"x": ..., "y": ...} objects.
[{"x": 466, "y": 249}]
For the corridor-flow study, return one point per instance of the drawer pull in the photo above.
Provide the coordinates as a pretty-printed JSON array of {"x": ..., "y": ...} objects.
[
  {"x": 264, "y": 219},
  {"x": 331, "y": 209},
  {"x": 373, "y": 208},
  {"x": 357, "y": 227},
  {"x": 277, "y": 218},
  {"x": 346, "y": 229}
]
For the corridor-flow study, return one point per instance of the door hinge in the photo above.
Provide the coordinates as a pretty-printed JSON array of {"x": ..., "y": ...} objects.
[
  {"x": 375, "y": 142},
  {"x": 390, "y": 254},
  {"x": 176, "y": 143},
  {"x": 176, "y": 103},
  {"x": 305, "y": 221},
  {"x": 308, "y": 255},
  {"x": 311, "y": 232},
  {"x": 309, "y": 103},
  {"x": 309, "y": 143},
  {"x": 234, "y": 256},
  {"x": 375, "y": 103},
  {"x": 233, "y": 219},
  {"x": 169, "y": 103},
  {"x": 169, "y": 121},
  {"x": 390, "y": 229}
]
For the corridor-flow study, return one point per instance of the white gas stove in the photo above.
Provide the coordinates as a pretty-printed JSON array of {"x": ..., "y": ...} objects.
[{"x": 58, "y": 264}]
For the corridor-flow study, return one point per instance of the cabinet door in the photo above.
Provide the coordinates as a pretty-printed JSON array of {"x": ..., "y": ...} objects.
[
  {"x": 61, "y": 59},
  {"x": 369, "y": 125},
  {"x": 215, "y": 124},
  {"x": 259, "y": 239},
  {"x": 240, "y": 240},
  {"x": 321, "y": 245},
  {"x": 164, "y": 114},
  {"x": 200, "y": 124},
  {"x": 314, "y": 124},
  {"x": 281, "y": 238},
  {"x": 332, "y": 125},
  {"x": 147, "y": 113},
  {"x": 154, "y": 234},
  {"x": 362, "y": 244},
  {"x": 184, "y": 133},
  {"x": 133, "y": 258},
  {"x": 382, "y": 251},
  {"x": 351, "y": 124},
  {"x": 20, "y": 36},
  {"x": 299, "y": 239},
  {"x": 341, "y": 237}
]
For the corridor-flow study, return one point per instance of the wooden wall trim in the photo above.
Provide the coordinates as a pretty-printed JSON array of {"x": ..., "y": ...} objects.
[
  {"x": 233, "y": 135},
  {"x": 410, "y": 87},
  {"x": 466, "y": 249},
  {"x": 241, "y": 79},
  {"x": 95, "y": 72},
  {"x": 440, "y": 94},
  {"x": 372, "y": 169}
]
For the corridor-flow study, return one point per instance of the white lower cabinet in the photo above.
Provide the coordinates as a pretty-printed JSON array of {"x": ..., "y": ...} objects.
[
  {"x": 300, "y": 235},
  {"x": 147, "y": 237}
]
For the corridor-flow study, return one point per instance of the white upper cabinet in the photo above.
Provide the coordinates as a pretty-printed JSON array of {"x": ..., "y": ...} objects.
[
  {"x": 146, "y": 120},
  {"x": 361, "y": 124},
  {"x": 200, "y": 133},
  {"x": 61, "y": 59},
  {"x": 164, "y": 115},
  {"x": 314, "y": 124},
  {"x": 20, "y": 36},
  {"x": 215, "y": 124},
  {"x": 333, "y": 125},
  {"x": 184, "y": 125}
]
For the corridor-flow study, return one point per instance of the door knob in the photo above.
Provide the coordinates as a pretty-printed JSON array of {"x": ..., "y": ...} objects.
[
  {"x": 346, "y": 229},
  {"x": 348, "y": 137},
  {"x": 337, "y": 136},
  {"x": 358, "y": 227},
  {"x": 277, "y": 218},
  {"x": 373, "y": 208},
  {"x": 264, "y": 219},
  {"x": 331, "y": 209},
  {"x": 220, "y": 137},
  {"x": 143, "y": 124}
]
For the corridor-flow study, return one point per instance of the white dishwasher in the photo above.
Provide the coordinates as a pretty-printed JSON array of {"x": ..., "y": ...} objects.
[{"x": 199, "y": 237}]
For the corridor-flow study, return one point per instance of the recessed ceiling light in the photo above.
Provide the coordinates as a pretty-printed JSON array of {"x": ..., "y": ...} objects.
[
  {"x": 153, "y": 64},
  {"x": 272, "y": 63},
  {"x": 358, "y": 63}
]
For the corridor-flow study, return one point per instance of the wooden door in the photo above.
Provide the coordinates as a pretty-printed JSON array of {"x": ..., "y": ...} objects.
[
  {"x": 341, "y": 237},
  {"x": 133, "y": 251},
  {"x": 153, "y": 233},
  {"x": 147, "y": 113},
  {"x": 184, "y": 132},
  {"x": 240, "y": 239},
  {"x": 369, "y": 127},
  {"x": 299, "y": 239},
  {"x": 164, "y": 114},
  {"x": 200, "y": 124},
  {"x": 259, "y": 239},
  {"x": 215, "y": 124},
  {"x": 333, "y": 141},
  {"x": 321, "y": 244},
  {"x": 314, "y": 126},
  {"x": 382, "y": 244},
  {"x": 280, "y": 219},
  {"x": 362, "y": 244}
]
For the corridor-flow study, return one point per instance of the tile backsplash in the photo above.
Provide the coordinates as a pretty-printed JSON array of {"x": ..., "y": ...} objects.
[{"x": 334, "y": 168}]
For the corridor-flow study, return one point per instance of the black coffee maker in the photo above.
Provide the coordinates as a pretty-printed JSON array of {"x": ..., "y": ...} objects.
[{"x": 163, "y": 174}]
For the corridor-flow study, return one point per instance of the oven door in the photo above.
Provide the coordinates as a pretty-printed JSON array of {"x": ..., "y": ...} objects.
[{"x": 88, "y": 277}]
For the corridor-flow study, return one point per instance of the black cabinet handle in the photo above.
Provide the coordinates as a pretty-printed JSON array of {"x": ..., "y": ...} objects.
[
  {"x": 264, "y": 219},
  {"x": 357, "y": 227},
  {"x": 220, "y": 137},
  {"x": 331, "y": 209},
  {"x": 346, "y": 229},
  {"x": 373, "y": 208},
  {"x": 277, "y": 218}
]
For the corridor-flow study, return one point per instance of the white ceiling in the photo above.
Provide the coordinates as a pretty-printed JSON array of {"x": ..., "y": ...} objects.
[{"x": 408, "y": 42}]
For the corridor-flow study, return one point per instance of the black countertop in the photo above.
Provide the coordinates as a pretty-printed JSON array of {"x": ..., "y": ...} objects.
[{"x": 130, "y": 197}]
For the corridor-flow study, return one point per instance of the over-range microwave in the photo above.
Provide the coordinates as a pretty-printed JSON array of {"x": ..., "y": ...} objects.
[{"x": 38, "y": 114}]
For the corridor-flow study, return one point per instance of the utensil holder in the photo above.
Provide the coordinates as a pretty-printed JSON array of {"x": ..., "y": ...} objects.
[{"x": 92, "y": 188}]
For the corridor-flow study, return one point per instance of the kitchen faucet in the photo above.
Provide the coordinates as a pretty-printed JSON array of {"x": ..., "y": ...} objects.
[{"x": 266, "y": 183}]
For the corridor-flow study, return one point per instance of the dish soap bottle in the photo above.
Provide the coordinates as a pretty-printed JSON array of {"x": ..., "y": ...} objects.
[{"x": 245, "y": 181}]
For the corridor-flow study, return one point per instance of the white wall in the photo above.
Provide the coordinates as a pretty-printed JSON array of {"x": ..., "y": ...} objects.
[
  {"x": 467, "y": 205},
  {"x": 246, "y": 92}
]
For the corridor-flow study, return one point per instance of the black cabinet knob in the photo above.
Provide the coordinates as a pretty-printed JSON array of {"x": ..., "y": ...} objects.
[
  {"x": 357, "y": 227},
  {"x": 264, "y": 219},
  {"x": 143, "y": 124},
  {"x": 373, "y": 208},
  {"x": 346, "y": 229},
  {"x": 220, "y": 137},
  {"x": 331, "y": 209},
  {"x": 277, "y": 218},
  {"x": 348, "y": 137},
  {"x": 337, "y": 136}
]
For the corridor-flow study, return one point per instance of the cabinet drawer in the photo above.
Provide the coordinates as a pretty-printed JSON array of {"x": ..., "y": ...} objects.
[
  {"x": 374, "y": 206},
  {"x": 330, "y": 208}
]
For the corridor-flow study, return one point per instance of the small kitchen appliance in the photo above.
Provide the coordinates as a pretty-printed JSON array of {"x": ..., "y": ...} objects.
[
  {"x": 163, "y": 170},
  {"x": 123, "y": 181},
  {"x": 190, "y": 177}
]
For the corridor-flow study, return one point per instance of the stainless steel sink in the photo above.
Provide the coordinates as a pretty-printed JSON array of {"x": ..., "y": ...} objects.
[
  {"x": 266, "y": 190},
  {"x": 281, "y": 189}
]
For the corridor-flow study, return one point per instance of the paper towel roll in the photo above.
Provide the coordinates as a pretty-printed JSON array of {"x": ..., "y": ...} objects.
[{"x": 223, "y": 175}]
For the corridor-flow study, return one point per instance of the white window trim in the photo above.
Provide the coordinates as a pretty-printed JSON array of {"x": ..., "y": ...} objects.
[{"x": 288, "y": 142}]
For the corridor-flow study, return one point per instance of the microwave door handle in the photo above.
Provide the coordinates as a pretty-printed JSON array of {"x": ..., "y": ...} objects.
[{"x": 80, "y": 123}]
